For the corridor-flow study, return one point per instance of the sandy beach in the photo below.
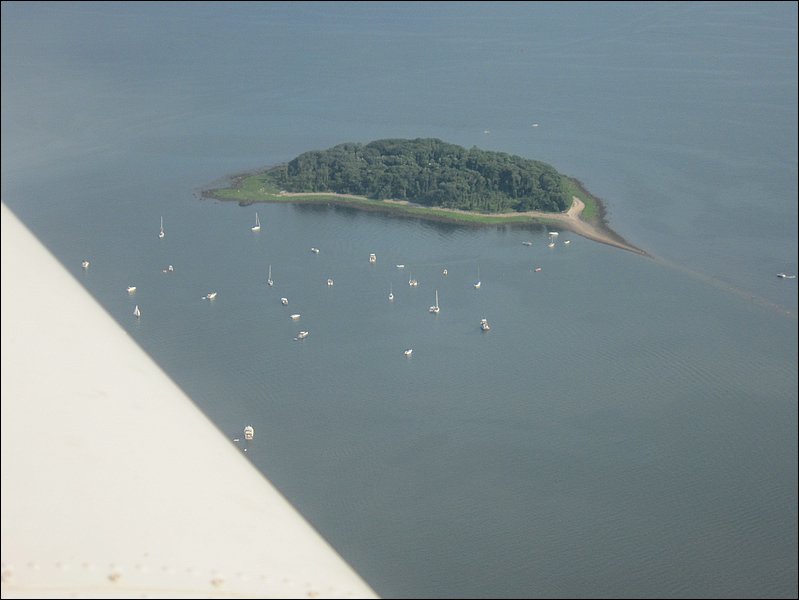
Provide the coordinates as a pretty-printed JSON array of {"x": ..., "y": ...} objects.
[{"x": 571, "y": 220}]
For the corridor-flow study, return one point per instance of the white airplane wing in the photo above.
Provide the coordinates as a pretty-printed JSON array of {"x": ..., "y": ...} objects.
[{"x": 113, "y": 483}]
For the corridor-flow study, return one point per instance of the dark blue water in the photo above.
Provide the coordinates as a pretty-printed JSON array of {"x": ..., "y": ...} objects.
[{"x": 628, "y": 426}]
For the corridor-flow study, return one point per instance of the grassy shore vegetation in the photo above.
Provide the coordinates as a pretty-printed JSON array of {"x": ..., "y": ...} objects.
[
  {"x": 423, "y": 177},
  {"x": 593, "y": 210}
]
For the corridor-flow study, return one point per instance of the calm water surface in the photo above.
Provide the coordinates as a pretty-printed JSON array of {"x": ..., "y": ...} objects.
[{"x": 627, "y": 428}]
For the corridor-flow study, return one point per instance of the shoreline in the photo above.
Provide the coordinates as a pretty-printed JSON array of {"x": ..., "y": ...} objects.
[
  {"x": 595, "y": 229},
  {"x": 569, "y": 220}
]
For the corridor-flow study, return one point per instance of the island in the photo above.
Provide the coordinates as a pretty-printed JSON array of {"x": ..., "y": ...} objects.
[{"x": 430, "y": 178}]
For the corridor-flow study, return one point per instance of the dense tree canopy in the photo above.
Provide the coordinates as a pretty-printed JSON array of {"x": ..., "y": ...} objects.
[{"x": 429, "y": 172}]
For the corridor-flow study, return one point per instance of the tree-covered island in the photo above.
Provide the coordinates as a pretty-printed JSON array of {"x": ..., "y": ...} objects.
[
  {"x": 427, "y": 172},
  {"x": 430, "y": 178}
]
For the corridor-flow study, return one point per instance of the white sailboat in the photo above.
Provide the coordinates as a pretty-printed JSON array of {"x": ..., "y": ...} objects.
[
  {"x": 409, "y": 352},
  {"x": 372, "y": 258},
  {"x": 435, "y": 308},
  {"x": 161, "y": 232},
  {"x": 478, "y": 283},
  {"x": 257, "y": 226},
  {"x": 85, "y": 264},
  {"x": 136, "y": 312},
  {"x": 412, "y": 282},
  {"x": 269, "y": 281},
  {"x": 484, "y": 325},
  {"x": 390, "y": 293}
]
